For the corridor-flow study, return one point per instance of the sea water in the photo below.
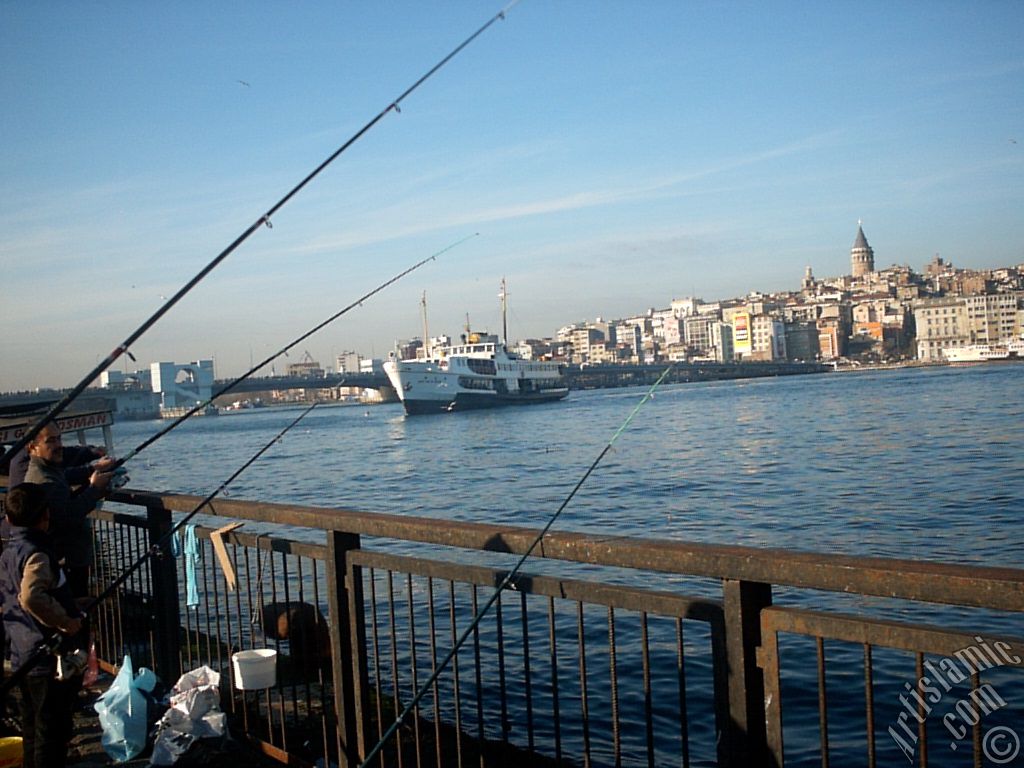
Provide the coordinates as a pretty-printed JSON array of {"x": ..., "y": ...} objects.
[{"x": 913, "y": 463}]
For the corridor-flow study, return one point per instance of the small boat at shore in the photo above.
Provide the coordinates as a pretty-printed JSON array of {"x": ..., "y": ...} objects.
[{"x": 476, "y": 372}]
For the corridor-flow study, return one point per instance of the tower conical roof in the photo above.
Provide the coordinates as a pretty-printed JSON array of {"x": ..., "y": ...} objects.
[{"x": 861, "y": 241}]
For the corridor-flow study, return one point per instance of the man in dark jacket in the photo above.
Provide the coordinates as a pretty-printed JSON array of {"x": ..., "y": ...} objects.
[
  {"x": 36, "y": 601},
  {"x": 72, "y": 534}
]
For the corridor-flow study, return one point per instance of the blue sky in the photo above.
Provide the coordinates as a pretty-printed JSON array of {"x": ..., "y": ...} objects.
[{"x": 612, "y": 156}]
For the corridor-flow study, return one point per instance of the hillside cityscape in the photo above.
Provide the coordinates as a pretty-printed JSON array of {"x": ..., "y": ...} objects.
[
  {"x": 889, "y": 316},
  {"x": 869, "y": 316}
]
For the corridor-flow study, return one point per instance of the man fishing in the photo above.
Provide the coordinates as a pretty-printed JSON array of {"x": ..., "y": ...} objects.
[{"x": 72, "y": 533}]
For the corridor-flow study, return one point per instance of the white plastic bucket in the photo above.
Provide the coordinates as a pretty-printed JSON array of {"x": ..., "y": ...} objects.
[{"x": 255, "y": 670}]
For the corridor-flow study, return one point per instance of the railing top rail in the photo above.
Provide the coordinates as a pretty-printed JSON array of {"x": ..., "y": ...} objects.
[{"x": 920, "y": 580}]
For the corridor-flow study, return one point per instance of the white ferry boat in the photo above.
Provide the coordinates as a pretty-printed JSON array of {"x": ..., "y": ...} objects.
[
  {"x": 986, "y": 353},
  {"x": 477, "y": 372}
]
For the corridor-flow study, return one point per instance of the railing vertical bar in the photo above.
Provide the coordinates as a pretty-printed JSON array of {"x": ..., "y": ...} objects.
[
  {"x": 204, "y": 562},
  {"x": 456, "y": 684},
  {"x": 125, "y": 627},
  {"x": 584, "y": 703},
  {"x": 378, "y": 685},
  {"x": 645, "y": 658},
  {"x": 553, "y": 660},
  {"x": 922, "y": 723},
  {"x": 117, "y": 617},
  {"x": 281, "y": 695},
  {"x": 394, "y": 662},
  {"x": 139, "y": 544},
  {"x": 435, "y": 691},
  {"x": 478, "y": 675},
  {"x": 684, "y": 730},
  {"x": 822, "y": 701},
  {"x": 976, "y": 727},
  {"x": 526, "y": 671},
  {"x": 191, "y": 636},
  {"x": 271, "y": 562},
  {"x": 613, "y": 677},
  {"x": 506, "y": 726},
  {"x": 869, "y": 704},
  {"x": 414, "y": 671},
  {"x": 311, "y": 653},
  {"x": 325, "y": 708},
  {"x": 230, "y": 625}
]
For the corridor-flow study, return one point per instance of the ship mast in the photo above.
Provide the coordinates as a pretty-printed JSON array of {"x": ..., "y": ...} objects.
[
  {"x": 503, "y": 295},
  {"x": 426, "y": 337}
]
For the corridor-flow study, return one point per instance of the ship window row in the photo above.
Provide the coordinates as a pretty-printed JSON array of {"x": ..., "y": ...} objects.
[{"x": 466, "y": 350}]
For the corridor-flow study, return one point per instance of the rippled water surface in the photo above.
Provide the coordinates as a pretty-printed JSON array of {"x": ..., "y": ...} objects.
[{"x": 918, "y": 463}]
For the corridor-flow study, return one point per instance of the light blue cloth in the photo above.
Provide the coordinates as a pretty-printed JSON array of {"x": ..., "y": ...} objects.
[{"x": 191, "y": 560}]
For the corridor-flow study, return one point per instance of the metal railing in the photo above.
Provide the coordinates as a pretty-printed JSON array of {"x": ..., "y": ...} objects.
[{"x": 596, "y": 658}]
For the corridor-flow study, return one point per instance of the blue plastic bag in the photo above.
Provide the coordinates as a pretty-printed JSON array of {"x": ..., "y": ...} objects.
[{"x": 122, "y": 712}]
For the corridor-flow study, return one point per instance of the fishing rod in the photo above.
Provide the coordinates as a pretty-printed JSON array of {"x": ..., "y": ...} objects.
[
  {"x": 509, "y": 577},
  {"x": 52, "y": 642},
  {"x": 124, "y": 346},
  {"x": 284, "y": 350}
]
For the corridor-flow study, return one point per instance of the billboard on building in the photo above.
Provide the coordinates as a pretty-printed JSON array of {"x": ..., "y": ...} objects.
[{"x": 741, "y": 336}]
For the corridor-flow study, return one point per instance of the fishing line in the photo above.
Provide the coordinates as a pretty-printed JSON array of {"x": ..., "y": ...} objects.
[
  {"x": 232, "y": 384},
  {"x": 53, "y": 641},
  {"x": 509, "y": 576},
  {"x": 116, "y": 353}
]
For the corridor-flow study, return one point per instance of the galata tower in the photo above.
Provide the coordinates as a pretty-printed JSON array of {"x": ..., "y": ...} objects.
[{"x": 862, "y": 258}]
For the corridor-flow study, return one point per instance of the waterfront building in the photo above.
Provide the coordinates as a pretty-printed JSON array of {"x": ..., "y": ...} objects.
[
  {"x": 768, "y": 338},
  {"x": 581, "y": 339},
  {"x": 348, "y": 362},
  {"x": 802, "y": 340},
  {"x": 685, "y": 307},
  {"x": 307, "y": 366},
  {"x": 535, "y": 349},
  {"x": 629, "y": 336},
  {"x": 181, "y": 387},
  {"x": 830, "y": 340},
  {"x": 698, "y": 332},
  {"x": 141, "y": 379},
  {"x": 742, "y": 344},
  {"x": 672, "y": 331},
  {"x": 993, "y": 318},
  {"x": 941, "y": 324},
  {"x": 862, "y": 257},
  {"x": 721, "y": 342}
]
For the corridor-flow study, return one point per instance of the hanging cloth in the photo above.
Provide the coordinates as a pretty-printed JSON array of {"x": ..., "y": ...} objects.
[{"x": 191, "y": 551}]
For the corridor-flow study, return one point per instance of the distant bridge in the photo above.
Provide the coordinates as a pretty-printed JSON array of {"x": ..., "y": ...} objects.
[
  {"x": 585, "y": 377},
  {"x": 265, "y": 383}
]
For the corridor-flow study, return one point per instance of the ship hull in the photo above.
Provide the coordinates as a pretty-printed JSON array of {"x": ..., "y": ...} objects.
[
  {"x": 428, "y": 388},
  {"x": 472, "y": 401}
]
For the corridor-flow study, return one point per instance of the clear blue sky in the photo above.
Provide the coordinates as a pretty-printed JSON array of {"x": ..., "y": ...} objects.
[{"x": 613, "y": 156}]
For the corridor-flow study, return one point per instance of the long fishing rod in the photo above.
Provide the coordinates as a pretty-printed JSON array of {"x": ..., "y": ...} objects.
[
  {"x": 509, "y": 577},
  {"x": 235, "y": 382},
  {"x": 124, "y": 346},
  {"x": 52, "y": 642}
]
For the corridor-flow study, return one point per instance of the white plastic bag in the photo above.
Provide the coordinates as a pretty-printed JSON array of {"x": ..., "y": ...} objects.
[{"x": 194, "y": 714}]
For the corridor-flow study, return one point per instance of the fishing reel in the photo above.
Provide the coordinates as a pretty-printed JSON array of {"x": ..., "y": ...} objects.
[{"x": 120, "y": 478}]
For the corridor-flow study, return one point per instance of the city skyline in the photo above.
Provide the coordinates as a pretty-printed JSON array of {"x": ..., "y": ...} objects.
[{"x": 609, "y": 156}]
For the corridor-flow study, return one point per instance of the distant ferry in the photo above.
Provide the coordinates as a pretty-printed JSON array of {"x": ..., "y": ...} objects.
[
  {"x": 986, "y": 353},
  {"x": 477, "y": 372}
]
